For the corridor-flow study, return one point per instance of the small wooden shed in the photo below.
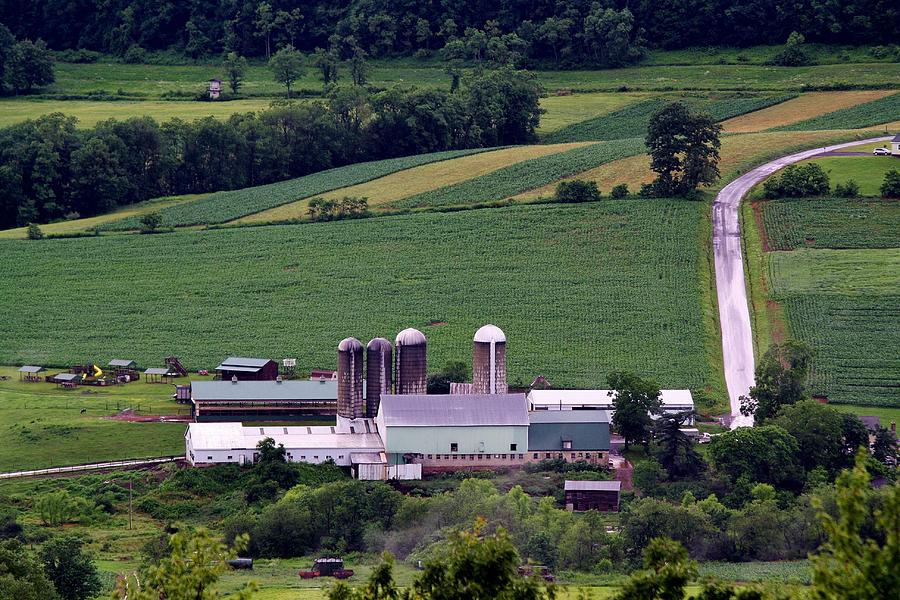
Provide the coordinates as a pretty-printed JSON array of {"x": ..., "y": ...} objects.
[
  {"x": 159, "y": 375},
  {"x": 31, "y": 373},
  {"x": 593, "y": 495}
]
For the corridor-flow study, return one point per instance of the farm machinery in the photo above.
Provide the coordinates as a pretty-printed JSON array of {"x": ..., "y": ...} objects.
[{"x": 326, "y": 567}]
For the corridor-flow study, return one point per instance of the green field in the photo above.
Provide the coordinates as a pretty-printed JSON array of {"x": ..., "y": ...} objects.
[
  {"x": 832, "y": 223},
  {"x": 525, "y": 175},
  {"x": 573, "y": 287},
  {"x": 887, "y": 414},
  {"x": 876, "y": 112},
  {"x": 867, "y": 171},
  {"x": 632, "y": 120},
  {"x": 844, "y": 303}
]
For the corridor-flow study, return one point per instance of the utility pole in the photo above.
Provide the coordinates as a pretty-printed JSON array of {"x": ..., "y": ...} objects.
[{"x": 130, "y": 510}]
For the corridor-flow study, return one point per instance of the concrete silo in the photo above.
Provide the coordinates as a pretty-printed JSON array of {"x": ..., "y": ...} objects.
[
  {"x": 379, "y": 373},
  {"x": 489, "y": 361},
  {"x": 350, "y": 379},
  {"x": 411, "y": 374}
]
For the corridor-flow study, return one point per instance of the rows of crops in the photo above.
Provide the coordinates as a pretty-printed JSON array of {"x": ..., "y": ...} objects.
[
  {"x": 230, "y": 205},
  {"x": 632, "y": 120},
  {"x": 788, "y": 571},
  {"x": 628, "y": 297},
  {"x": 525, "y": 175},
  {"x": 879, "y": 111},
  {"x": 832, "y": 223}
]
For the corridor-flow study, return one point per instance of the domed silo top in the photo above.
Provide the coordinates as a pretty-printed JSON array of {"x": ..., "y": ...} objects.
[
  {"x": 490, "y": 333},
  {"x": 379, "y": 343},
  {"x": 410, "y": 337},
  {"x": 350, "y": 344}
]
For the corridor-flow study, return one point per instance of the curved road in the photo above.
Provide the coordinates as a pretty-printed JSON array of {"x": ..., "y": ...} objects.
[{"x": 734, "y": 313}]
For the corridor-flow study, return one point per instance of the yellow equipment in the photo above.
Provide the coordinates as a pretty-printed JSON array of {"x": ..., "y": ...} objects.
[{"x": 98, "y": 372}]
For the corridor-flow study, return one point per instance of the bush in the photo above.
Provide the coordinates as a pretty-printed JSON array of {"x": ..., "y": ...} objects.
[
  {"x": 891, "y": 186},
  {"x": 847, "y": 190},
  {"x": 792, "y": 54},
  {"x": 34, "y": 232},
  {"x": 135, "y": 55},
  {"x": 79, "y": 56},
  {"x": 798, "y": 182},
  {"x": 620, "y": 191},
  {"x": 577, "y": 191},
  {"x": 150, "y": 222}
]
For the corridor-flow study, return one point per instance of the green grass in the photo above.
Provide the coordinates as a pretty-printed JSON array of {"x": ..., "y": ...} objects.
[
  {"x": 867, "y": 171},
  {"x": 844, "y": 304},
  {"x": 885, "y": 413},
  {"x": 819, "y": 54},
  {"x": 883, "y": 110},
  {"x": 91, "y": 112},
  {"x": 832, "y": 223},
  {"x": 632, "y": 120},
  {"x": 580, "y": 291},
  {"x": 227, "y": 206},
  {"x": 523, "y": 176},
  {"x": 792, "y": 571},
  {"x": 563, "y": 110}
]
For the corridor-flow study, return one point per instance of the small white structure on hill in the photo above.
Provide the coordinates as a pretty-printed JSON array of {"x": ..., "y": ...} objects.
[{"x": 215, "y": 88}]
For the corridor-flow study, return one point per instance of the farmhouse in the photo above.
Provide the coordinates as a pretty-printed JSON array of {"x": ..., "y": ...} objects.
[
  {"x": 262, "y": 400},
  {"x": 208, "y": 443},
  {"x": 895, "y": 145},
  {"x": 673, "y": 401},
  {"x": 453, "y": 432},
  {"x": 248, "y": 369},
  {"x": 593, "y": 495},
  {"x": 572, "y": 435}
]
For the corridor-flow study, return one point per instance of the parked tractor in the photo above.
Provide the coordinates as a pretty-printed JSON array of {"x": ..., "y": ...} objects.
[{"x": 326, "y": 567}]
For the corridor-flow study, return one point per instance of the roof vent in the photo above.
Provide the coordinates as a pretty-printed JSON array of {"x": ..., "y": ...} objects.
[{"x": 234, "y": 379}]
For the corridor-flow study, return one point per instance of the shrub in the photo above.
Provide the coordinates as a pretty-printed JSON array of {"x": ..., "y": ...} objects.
[
  {"x": 577, "y": 191},
  {"x": 620, "y": 191},
  {"x": 135, "y": 55},
  {"x": 801, "y": 181},
  {"x": 80, "y": 56},
  {"x": 792, "y": 54},
  {"x": 850, "y": 189},
  {"x": 150, "y": 222},
  {"x": 891, "y": 186},
  {"x": 34, "y": 232}
]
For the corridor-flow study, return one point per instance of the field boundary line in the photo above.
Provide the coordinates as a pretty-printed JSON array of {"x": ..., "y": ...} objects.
[{"x": 138, "y": 462}]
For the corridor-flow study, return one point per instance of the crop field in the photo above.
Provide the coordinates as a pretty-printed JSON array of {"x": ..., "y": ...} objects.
[
  {"x": 632, "y": 271},
  {"x": 867, "y": 114},
  {"x": 416, "y": 180},
  {"x": 798, "y": 109},
  {"x": 790, "y": 571},
  {"x": 563, "y": 110},
  {"x": 523, "y": 176},
  {"x": 832, "y": 223},
  {"x": 632, "y": 120},
  {"x": 845, "y": 304},
  {"x": 91, "y": 112},
  {"x": 227, "y": 206},
  {"x": 867, "y": 171}
]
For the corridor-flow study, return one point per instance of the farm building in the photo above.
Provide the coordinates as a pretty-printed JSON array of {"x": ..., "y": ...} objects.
[
  {"x": 160, "y": 374},
  {"x": 593, "y": 495},
  {"x": 123, "y": 369},
  {"x": 30, "y": 373},
  {"x": 454, "y": 432},
  {"x": 208, "y": 443},
  {"x": 571, "y": 435},
  {"x": 66, "y": 380},
  {"x": 262, "y": 400},
  {"x": 895, "y": 146},
  {"x": 248, "y": 369},
  {"x": 215, "y": 88},
  {"x": 673, "y": 401}
]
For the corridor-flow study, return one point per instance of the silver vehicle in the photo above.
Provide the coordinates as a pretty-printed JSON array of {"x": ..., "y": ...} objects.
[{"x": 881, "y": 152}]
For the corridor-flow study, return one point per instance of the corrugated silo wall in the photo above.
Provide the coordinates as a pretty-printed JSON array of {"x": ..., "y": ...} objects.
[
  {"x": 481, "y": 368},
  {"x": 379, "y": 374},
  {"x": 350, "y": 396},
  {"x": 412, "y": 369}
]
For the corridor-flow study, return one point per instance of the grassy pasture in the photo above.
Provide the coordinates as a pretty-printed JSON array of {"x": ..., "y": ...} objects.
[
  {"x": 831, "y": 223},
  {"x": 563, "y": 110},
  {"x": 867, "y": 171},
  {"x": 868, "y": 114},
  {"x": 419, "y": 179},
  {"x": 632, "y": 271},
  {"x": 799, "y": 109},
  {"x": 887, "y": 414}
]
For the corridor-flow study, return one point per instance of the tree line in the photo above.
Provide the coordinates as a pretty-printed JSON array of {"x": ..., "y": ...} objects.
[
  {"x": 564, "y": 33},
  {"x": 50, "y": 169}
]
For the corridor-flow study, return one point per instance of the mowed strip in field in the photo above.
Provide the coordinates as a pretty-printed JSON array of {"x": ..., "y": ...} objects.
[
  {"x": 573, "y": 287},
  {"x": 566, "y": 109},
  {"x": 418, "y": 179},
  {"x": 868, "y": 114},
  {"x": 799, "y": 109}
]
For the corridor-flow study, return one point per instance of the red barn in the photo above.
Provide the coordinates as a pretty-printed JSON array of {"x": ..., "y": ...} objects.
[{"x": 248, "y": 369}]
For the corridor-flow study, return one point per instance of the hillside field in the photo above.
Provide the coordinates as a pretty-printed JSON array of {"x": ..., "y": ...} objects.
[
  {"x": 867, "y": 171},
  {"x": 574, "y": 287}
]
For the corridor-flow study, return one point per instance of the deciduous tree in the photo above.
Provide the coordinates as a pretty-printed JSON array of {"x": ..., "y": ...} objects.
[
  {"x": 780, "y": 380},
  {"x": 71, "y": 570},
  {"x": 235, "y": 66},
  {"x": 635, "y": 400},
  {"x": 684, "y": 150},
  {"x": 287, "y": 66}
]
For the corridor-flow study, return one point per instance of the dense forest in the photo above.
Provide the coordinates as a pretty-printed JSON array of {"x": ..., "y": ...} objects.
[
  {"x": 50, "y": 170},
  {"x": 562, "y": 32}
]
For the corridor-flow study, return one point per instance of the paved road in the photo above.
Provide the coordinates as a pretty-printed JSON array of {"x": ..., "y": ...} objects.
[
  {"x": 115, "y": 464},
  {"x": 734, "y": 313}
]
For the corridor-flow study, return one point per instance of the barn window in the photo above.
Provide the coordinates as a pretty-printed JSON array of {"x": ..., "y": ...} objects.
[
  {"x": 229, "y": 458},
  {"x": 454, "y": 447},
  {"x": 429, "y": 457},
  {"x": 567, "y": 444},
  {"x": 209, "y": 458},
  {"x": 536, "y": 455},
  {"x": 512, "y": 447}
]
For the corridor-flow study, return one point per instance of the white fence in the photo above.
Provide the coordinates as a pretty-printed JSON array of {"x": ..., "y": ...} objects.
[{"x": 92, "y": 467}]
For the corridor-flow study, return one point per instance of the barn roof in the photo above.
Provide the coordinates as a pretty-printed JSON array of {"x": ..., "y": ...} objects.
[
  {"x": 121, "y": 362},
  {"x": 158, "y": 371},
  {"x": 67, "y": 376},
  {"x": 234, "y": 436},
  {"x": 896, "y": 138},
  {"x": 593, "y": 486},
  {"x": 31, "y": 369},
  {"x": 603, "y": 399},
  {"x": 453, "y": 410},
  {"x": 264, "y": 390},
  {"x": 243, "y": 364}
]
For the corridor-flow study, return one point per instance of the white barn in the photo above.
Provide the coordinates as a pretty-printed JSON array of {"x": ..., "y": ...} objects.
[{"x": 673, "y": 401}]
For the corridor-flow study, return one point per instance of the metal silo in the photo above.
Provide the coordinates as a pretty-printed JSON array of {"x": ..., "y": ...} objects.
[
  {"x": 379, "y": 373},
  {"x": 411, "y": 375},
  {"x": 350, "y": 379},
  {"x": 489, "y": 361}
]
